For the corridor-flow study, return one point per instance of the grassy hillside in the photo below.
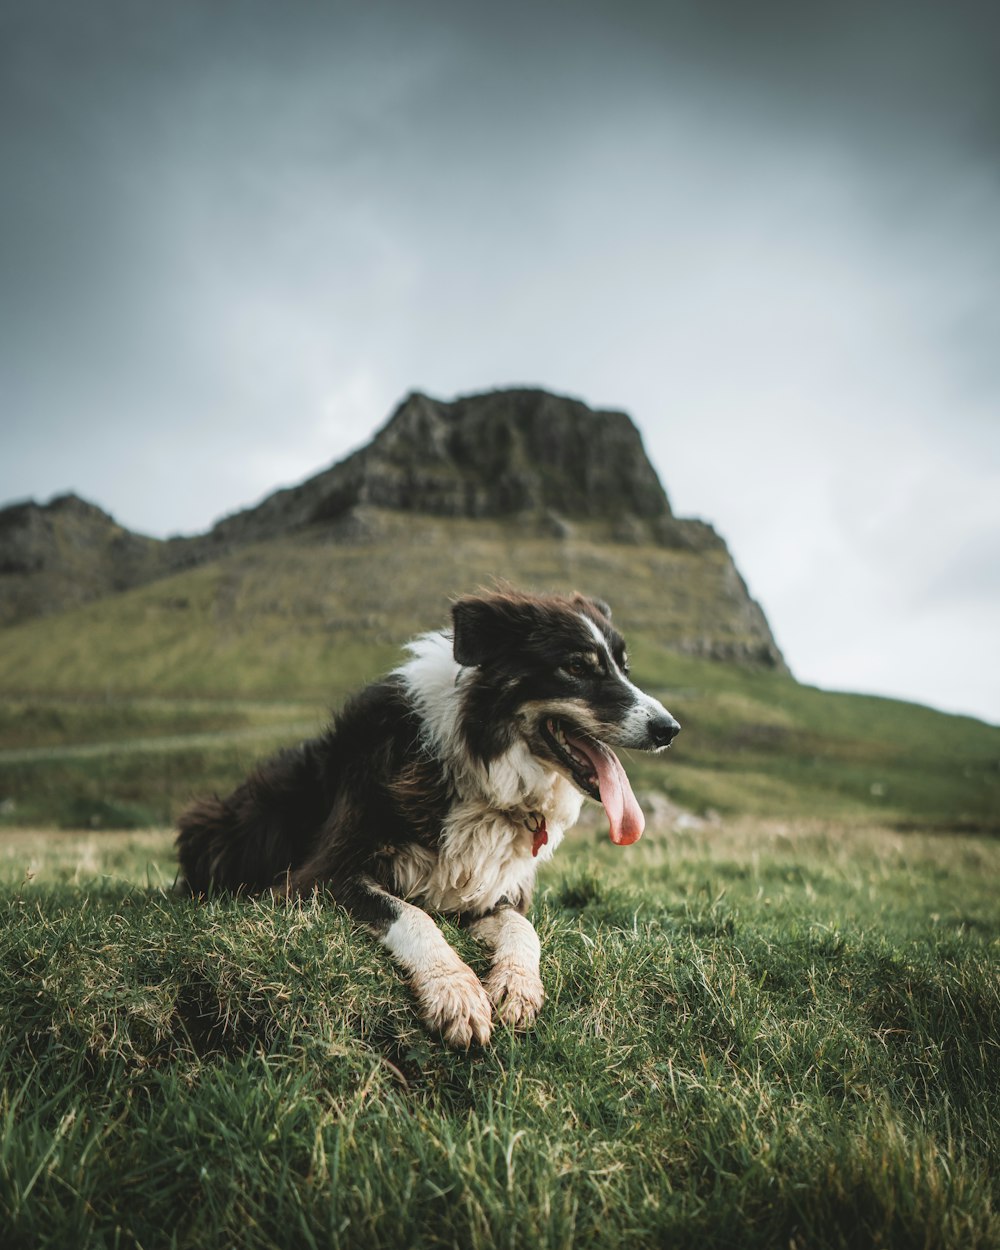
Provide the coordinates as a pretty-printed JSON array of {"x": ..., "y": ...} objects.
[
  {"x": 308, "y": 617},
  {"x": 118, "y": 713},
  {"x": 754, "y": 1036},
  {"x": 752, "y": 743},
  {"x": 772, "y": 1023},
  {"x": 760, "y": 742}
]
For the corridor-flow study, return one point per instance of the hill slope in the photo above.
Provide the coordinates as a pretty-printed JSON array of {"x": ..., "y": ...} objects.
[
  {"x": 123, "y": 716},
  {"x": 542, "y": 487},
  {"x": 285, "y": 616},
  {"x": 117, "y": 711}
]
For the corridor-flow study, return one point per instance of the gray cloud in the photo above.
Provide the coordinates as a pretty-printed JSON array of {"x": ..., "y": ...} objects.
[{"x": 235, "y": 236}]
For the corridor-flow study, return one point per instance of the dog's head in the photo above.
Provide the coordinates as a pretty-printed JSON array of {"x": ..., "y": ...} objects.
[{"x": 554, "y": 671}]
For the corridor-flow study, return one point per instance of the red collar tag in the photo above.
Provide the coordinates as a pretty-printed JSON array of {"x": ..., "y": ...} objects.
[{"x": 536, "y": 824}]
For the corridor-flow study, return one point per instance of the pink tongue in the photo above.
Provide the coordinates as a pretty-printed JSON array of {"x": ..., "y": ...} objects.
[{"x": 623, "y": 812}]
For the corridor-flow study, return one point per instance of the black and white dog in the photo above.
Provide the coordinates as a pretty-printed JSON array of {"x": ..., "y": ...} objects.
[{"x": 445, "y": 785}]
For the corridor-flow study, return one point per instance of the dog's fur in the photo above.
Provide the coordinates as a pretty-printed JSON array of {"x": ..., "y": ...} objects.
[{"x": 446, "y": 784}]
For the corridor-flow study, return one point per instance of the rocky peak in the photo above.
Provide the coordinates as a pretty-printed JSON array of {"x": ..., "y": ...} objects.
[
  {"x": 512, "y": 451},
  {"x": 32, "y": 534},
  {"x": 66, "y": 552},
  {"x": 499, "y": 454},
  {"x": 520, "y": 463}
]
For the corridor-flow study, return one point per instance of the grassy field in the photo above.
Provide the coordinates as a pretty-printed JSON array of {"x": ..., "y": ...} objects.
[
  {"x": 307, "y": 617},
  {"x": 115, "y": 715},
  {"x": 772, "y": 1022},
  {"x": 754, "y": 742},
  {"x": 756, "y": 1034}
]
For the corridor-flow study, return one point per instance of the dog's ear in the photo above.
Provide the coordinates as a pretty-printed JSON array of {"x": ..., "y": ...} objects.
[
  {"x": 595, "y": 605},
  {"x": 488, "y": 626},
  {"x": 479, "y": 629}
]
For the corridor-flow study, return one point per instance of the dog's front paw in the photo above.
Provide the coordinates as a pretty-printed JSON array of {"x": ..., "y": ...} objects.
[
  {"x": 516, "y": 994},
  {"x": 454, "y": 1004}
]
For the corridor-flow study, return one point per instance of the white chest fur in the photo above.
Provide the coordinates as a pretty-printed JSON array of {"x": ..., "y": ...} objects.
[
  {"x": 485, "y": 854},
  {"x": 486, "y": 847}
]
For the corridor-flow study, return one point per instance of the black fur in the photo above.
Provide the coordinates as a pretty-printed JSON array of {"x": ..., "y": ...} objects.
[{"x": 321, "y": 813}]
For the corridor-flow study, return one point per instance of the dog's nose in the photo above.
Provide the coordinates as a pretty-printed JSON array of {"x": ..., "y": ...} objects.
[{"x": 663, "y": 730}]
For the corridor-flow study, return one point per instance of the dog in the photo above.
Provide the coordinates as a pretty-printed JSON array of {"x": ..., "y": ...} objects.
[{"x": 445, "y": 785}]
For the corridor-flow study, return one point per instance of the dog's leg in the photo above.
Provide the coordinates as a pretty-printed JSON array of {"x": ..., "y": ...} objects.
[
  {"x": 513, "y": 982},
  {"x": 450, "y": 996}
]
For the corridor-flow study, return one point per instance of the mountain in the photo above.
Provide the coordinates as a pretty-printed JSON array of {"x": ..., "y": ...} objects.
[
  {"x": 196, "y": 654},
  {"x": 524, "y": 484},
  {"x": 515, "y": 453},
  {"x": 58, "y": 555}
]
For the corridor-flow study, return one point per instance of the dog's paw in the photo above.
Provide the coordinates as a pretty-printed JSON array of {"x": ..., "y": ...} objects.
[
  {"x": 516, "y": 994},
  {"x": 454, "y": 1004}
]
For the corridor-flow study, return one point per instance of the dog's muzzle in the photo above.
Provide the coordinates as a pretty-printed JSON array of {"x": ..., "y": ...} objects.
[{"x": 663, "y": 730}]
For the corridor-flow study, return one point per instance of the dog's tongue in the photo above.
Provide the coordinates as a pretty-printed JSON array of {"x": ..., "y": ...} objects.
[{"x": 624, "y": 813}]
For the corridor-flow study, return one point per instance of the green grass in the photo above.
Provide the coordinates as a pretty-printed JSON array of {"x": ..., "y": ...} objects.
[
  {"x": 132, "y": 763},
  {"x": 309, "y": 618},
  {"x": 761, "y": 743},
  {"x": 37, "y": 725},
  {"x": 753, "y": 742},
  {"x": 116, "y": 714},
  {"x": 756, "y": 1034},
  {"x": 773, "y": 1022}
]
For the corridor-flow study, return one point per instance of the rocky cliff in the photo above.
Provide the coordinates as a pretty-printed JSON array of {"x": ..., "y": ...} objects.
[
  {"x": 524, "y": 464},
  {"x": 516, "y": 453},
  {"x": 67, "y": 552}
]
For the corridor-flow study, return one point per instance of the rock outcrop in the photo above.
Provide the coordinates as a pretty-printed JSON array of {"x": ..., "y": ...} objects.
[
  {"x": 67, "y": 552},
  {"x": 523, "y": 453},
  {"x": 542, "y": 464}
]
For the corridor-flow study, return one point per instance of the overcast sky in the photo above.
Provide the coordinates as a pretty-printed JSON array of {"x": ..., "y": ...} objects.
[{"x": 235, "y": 235}]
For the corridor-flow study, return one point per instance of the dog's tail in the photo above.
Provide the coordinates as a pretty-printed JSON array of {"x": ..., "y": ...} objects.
[
  {"x": 208, "y": 847},
  {"x": 226, "y": 846},
  {"x": 250, "y": 841}
]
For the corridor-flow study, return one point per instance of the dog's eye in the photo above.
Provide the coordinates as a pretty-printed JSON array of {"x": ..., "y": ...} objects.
[{"x": 576, "y": 666}]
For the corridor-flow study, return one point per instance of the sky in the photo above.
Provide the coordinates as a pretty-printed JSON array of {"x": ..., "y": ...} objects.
[{"x": 233, "y": 236}]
